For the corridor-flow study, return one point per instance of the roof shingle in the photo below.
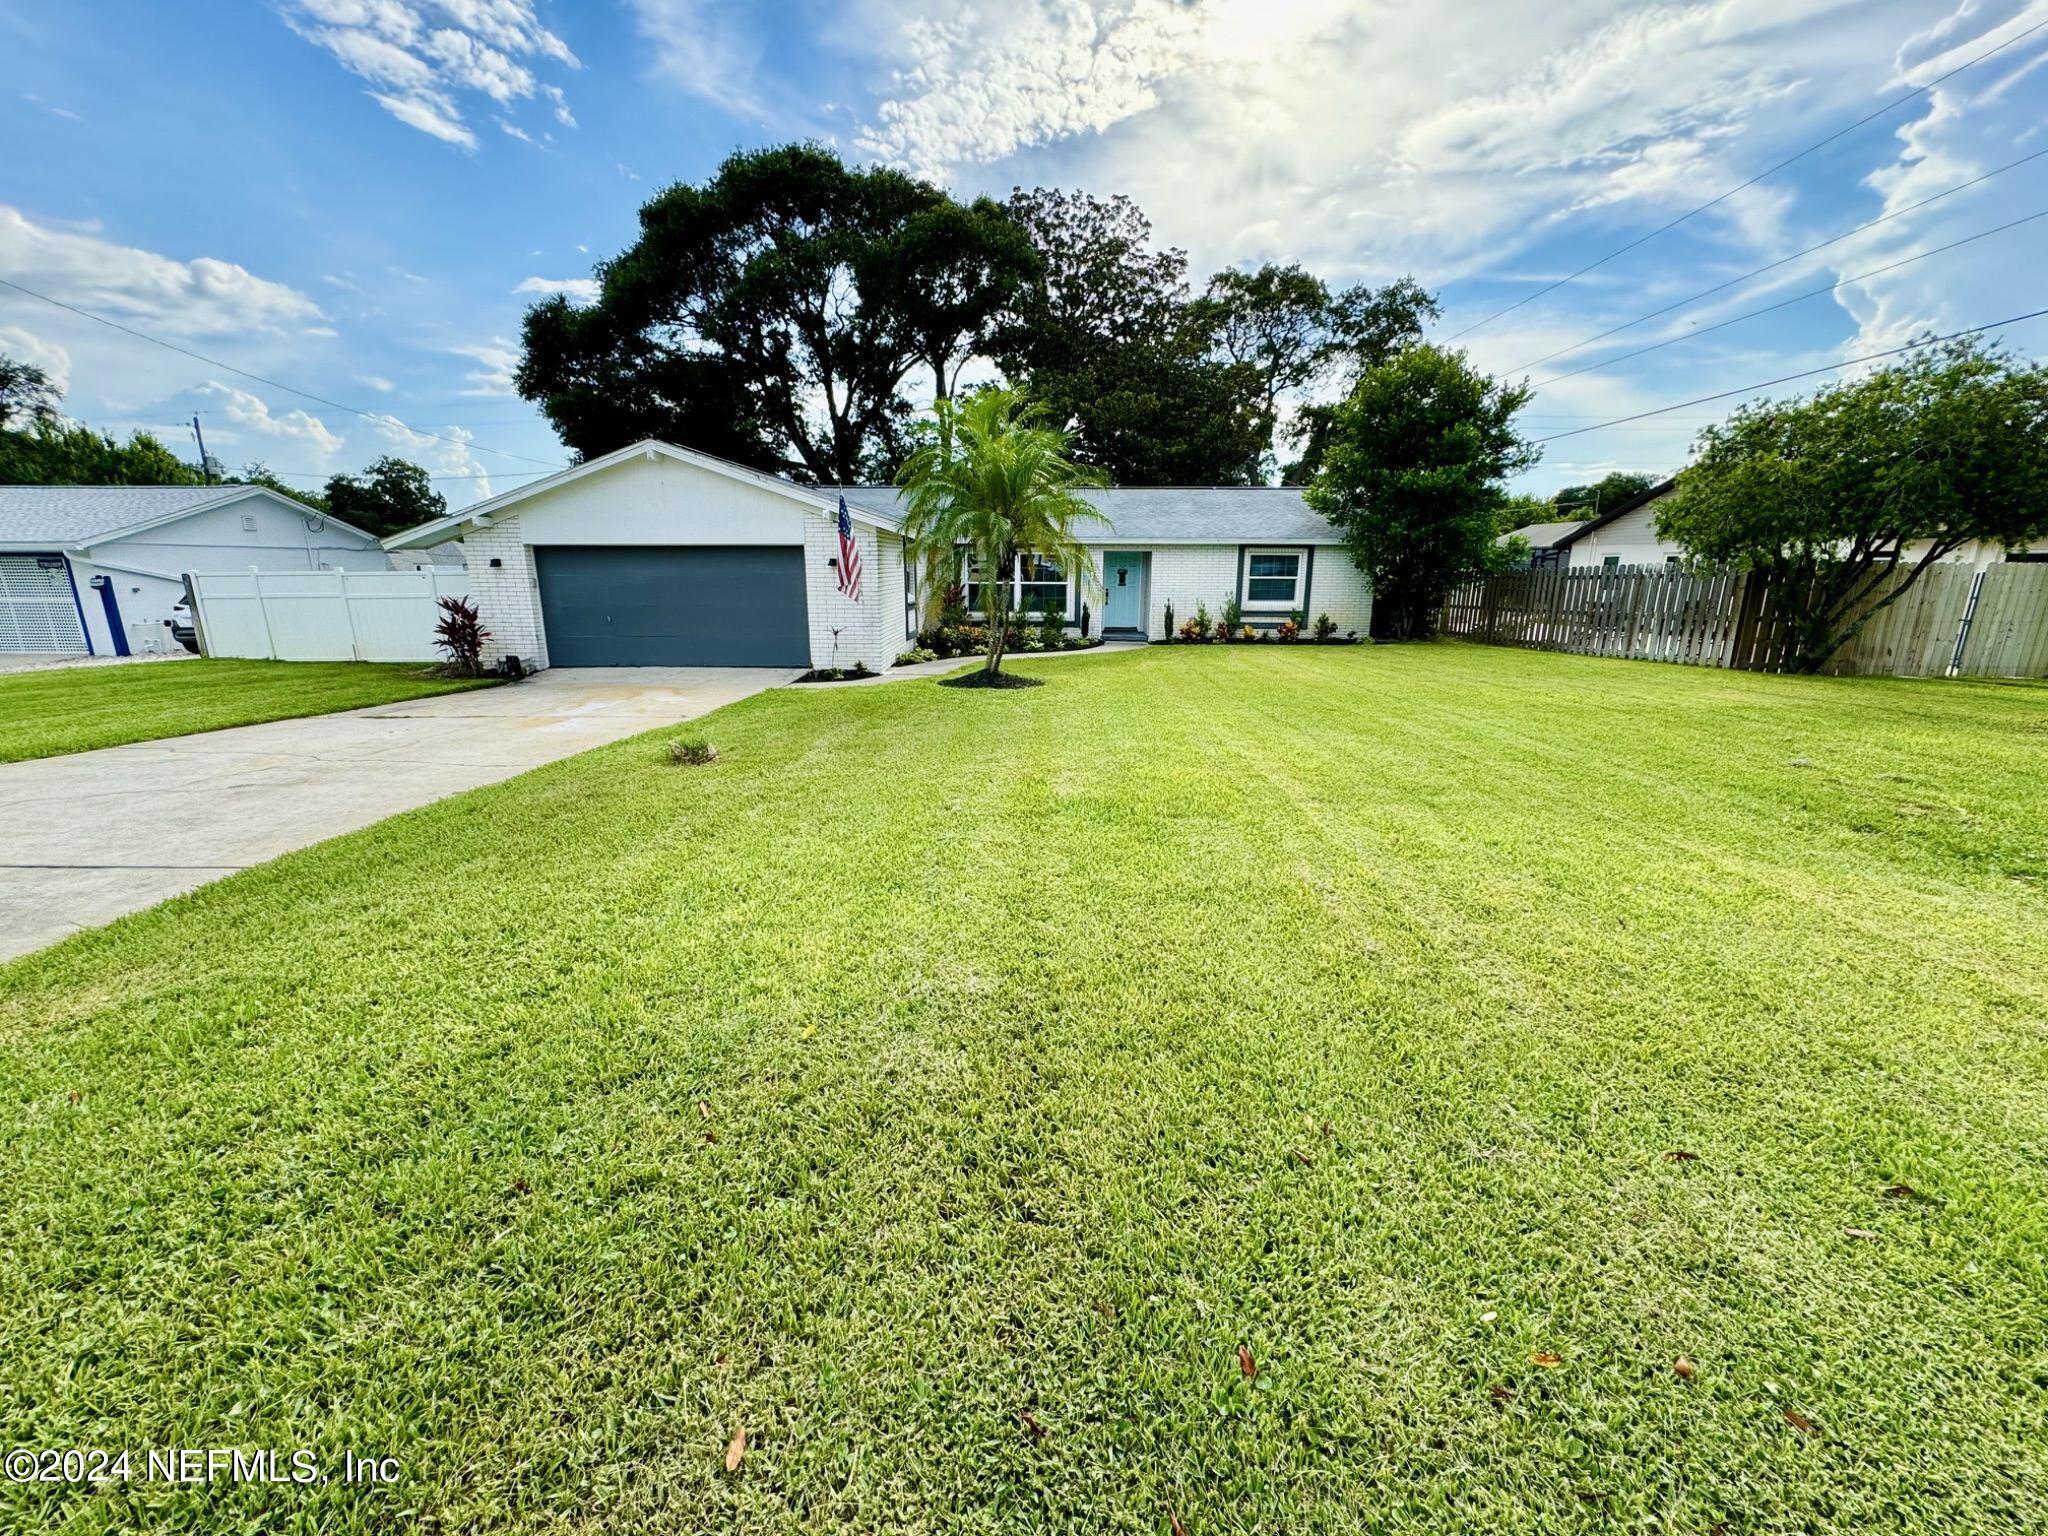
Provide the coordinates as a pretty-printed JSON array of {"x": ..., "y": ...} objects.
[
  {"x": 77, "y": 514},
  {"x": 1247, "y": 514}
]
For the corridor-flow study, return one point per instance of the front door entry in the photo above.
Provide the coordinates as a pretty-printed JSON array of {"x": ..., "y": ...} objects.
[{"x": 1123, "y": 580}]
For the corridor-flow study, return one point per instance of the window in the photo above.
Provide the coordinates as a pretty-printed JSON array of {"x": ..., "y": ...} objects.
[
  {"x": 1612, "y": 562},
  {"x": 1272, "y": 578},
  {"x": 1036, "y": 586},
  {"x": 1040, "y": 587}
]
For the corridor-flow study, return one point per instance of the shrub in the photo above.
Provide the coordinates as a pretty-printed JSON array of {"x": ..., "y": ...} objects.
[
  {"x": 462, "y": 635},
  {"x": 1233, "y": 613},
  {"x": 1052, "y": 629},
  {"x": 691, "y": 754},
  {"x": 1287, "y": 631},
  {"x": 1084, "y": 621},
  {"x": 1169, "y": 619},
  {"x": 916, "y": 654},
  {"x": 1247, "y": 633},
  {"x": 860, "y": 669},
  {"x": 1325, "y": 626},
  {"x": 953, "y": 608},
  {"x": 1198, "y": 626}
]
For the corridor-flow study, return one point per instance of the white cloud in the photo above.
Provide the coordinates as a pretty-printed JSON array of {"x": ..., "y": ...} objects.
[
  {"x": 202, "y": 297},
  {"x": 382, "y": 385},
  {"x": 250, "y": 414},
  {"x": 977, "y": 85},
  {"x": 699, "y": 46},
  {"x": 582, "y": 289},
  {"x": 447, "y": 452},
  {"x": 25, "y": 346},
  {"x": 494, "y": 377},
  {"x": 429, "y": 115},
  {"x": 419, "y": 70}
]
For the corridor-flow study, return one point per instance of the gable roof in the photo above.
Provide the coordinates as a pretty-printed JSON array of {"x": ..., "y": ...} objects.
[
  {"x": 1222, "y": 514},
  {"x": 1641, "y": 499},
  {"x": 1542, "y": 535},
  {"x": 822, "y": 499},
  {"x": 75, "y": 516}
]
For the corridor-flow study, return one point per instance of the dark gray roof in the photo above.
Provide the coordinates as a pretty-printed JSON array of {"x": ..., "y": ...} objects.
[
  {"x": 78, "y": 514},
  {"x": 1224, "y": 514}
]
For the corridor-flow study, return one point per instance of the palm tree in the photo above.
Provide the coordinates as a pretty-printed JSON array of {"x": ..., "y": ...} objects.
[{"x": 994, "y": 478}]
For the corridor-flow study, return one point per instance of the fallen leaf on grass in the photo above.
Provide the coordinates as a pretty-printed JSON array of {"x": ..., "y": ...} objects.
[
  {"x": 1173, "y": 1522},
  {"x": 77, "y": 1097},
  {"x": 1032, "y": 1427},
  {"x": 1685, "y": 1368},
  {"x": 703, "y": 1109},
  {"x": 736, "y": 1449},
  {"x": 1303, "y": 1158},
  {"x": 710, "y": 1137},
  {"x": 521, "y": 1187},
  {"x": 1544, "y": 1358},
  {"x": 1246, "y": 1363},
  {"x": 1681, "y": 1157},
  {"x": 1800, "y": 1421},
  {"x": 1861, "y": 1234},
  {"x": 1502, "y": 1394},
  {"x": 1900, "y": 1192}
]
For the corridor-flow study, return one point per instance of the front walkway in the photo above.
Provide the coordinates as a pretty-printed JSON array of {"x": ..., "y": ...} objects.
[{"x": 94, "y": 835}]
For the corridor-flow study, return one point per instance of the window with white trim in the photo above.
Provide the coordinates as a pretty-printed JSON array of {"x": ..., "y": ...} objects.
[
  {"x": 1036, "y": 586},
  {"x": 1273, "y": 579}
]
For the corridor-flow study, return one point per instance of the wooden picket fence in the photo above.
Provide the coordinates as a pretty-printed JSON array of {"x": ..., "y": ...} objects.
[{"x": 1955, "y": 621}]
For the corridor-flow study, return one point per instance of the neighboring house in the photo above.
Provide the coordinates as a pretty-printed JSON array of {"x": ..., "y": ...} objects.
[
  {"x": 1542, "y": 539},
  {"x": 661, "y": 556},
  {"x": 1627, "y": 535},
  {"x": 98, "y": 569}
]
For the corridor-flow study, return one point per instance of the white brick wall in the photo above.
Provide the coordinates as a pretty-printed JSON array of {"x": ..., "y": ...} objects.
[
  {"x": 865, "y": 628},
  {"x": 1187, "y": 574},
  {"x": 507, "y": 598}
]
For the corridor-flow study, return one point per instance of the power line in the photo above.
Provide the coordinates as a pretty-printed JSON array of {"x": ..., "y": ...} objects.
[
  {"x": 1772, "y": 266},
  {"x": 303, "y": 394},
  {"x": 1800, "y": 298},
  {"x": 1665, "y": 228},
  {"x": 1787, "y": 378}
]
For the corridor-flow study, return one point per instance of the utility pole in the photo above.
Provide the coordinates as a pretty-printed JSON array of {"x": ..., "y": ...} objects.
[{"x": 205, "y": 466}]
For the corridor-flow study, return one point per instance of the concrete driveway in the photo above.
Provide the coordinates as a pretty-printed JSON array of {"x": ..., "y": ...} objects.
[{"x": 95, "y": 835}]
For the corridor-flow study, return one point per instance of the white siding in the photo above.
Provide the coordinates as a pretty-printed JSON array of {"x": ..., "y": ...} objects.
[
  {"x": 1631, "y": 539},
  {"x": 1187, "y": 574},
  {"x": 664, "y": 502}
]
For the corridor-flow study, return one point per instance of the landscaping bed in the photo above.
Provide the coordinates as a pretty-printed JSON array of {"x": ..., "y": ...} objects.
[{"x": 1311, "y": 1090}]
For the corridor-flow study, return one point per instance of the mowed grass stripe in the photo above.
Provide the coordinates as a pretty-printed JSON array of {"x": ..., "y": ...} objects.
[
  {"x": 56, "y": 710},
  {"x": 1055, "y": 1044}
]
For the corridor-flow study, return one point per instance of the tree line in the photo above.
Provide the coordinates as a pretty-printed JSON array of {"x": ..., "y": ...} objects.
[{"x": 792, "y": 312}]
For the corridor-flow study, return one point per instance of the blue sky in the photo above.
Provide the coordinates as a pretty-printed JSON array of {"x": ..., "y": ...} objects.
[{"x": 358, "y": 197}]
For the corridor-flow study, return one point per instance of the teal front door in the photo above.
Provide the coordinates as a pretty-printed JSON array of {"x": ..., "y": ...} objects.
[{"x": 1123, "y": 581}]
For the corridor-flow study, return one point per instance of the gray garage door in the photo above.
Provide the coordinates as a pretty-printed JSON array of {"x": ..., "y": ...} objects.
[{"x": 643, "y": 606}]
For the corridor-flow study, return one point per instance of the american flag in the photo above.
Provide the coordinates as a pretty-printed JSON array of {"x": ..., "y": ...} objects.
[{"x": 849, "y": 555}]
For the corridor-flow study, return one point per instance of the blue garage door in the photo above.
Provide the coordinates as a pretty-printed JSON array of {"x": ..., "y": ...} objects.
[{"x": 640, "y": 606}]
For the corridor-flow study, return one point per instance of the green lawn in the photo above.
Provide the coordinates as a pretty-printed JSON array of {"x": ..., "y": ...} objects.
[
  {"x": 74, "y": 709},
  {"x": 1404, "y": 1016}
]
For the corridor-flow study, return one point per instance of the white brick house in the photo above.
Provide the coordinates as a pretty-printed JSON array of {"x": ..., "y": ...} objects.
[{"x": 659, "y": 556}]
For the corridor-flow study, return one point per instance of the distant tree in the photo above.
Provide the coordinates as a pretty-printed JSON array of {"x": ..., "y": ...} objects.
[
  {"x": 992, "y": 477},
  {"x": 1106, "y": 339},
  {"x": 774, "y": 314},
  {"x": 66, "y": 453},
  {"x": 1580, "y": 503},
  {"x": 1827, "y": 497},
  {"x": 1412, "y": 473},
  {"x": 259, "y": 473},
  {"x": 27, "y": 396},
  {"x": 389, "y": 497},
  {"x": 1366, "y": 328}
]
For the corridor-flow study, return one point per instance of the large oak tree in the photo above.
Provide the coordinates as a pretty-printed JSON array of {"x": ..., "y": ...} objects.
[{"x": 776, "y": 314}]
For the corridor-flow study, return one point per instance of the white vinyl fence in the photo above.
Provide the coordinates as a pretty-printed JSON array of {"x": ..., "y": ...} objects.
[{"x": 324, "y": 615}]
